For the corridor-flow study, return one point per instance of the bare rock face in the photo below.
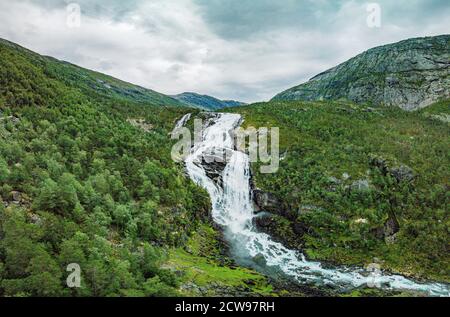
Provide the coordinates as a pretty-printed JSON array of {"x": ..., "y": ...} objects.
[
  {"x": 285, "y": 232},
  {"x": 17, "y": 198},
  {"x": 266, "y": 201},
  {"x": 215, "y": 163},
  {"x": 402, "y": 173},
  {"x": 391, "y": 227},
  {"x": 389, "y": 231},
  {"x": 411, "y": 74}
]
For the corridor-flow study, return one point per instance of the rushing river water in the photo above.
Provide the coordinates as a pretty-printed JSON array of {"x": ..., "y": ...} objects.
[{"x": 233, "y": 210}]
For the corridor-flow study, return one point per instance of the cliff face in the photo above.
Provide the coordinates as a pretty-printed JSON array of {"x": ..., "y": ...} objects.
[{"x": 411, "y": 74}]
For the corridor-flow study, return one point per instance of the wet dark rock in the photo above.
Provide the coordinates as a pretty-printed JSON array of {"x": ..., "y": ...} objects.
[
  {"x": 260, "y": 260},
  {"x": 266, "y": 201},
  {"x": 294, "y": 289},
  {"x": 214, "y": 171},
  {"x": 288, "y": 233},
  {"x": 214, "y": 164},
  {"x": 263, "y": 221}
]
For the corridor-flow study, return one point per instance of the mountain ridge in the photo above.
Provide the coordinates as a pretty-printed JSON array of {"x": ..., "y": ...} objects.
[
  {"x": 205, "y": 102},
  {"x": 86, "y": 79},
  {"x": 411, "y": 74}
]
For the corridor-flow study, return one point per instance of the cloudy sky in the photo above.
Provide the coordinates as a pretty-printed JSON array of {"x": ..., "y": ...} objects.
[{"x": 247, "y": 50}]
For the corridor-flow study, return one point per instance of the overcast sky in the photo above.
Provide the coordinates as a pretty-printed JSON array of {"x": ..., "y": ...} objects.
[{"x": 247, "y": 50}]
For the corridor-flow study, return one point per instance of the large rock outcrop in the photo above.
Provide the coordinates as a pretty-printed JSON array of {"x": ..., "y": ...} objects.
[{"x": 411, "y": 74}]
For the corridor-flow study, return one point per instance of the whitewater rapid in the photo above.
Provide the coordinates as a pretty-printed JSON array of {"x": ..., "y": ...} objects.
[{"x": 232, "y": 209}]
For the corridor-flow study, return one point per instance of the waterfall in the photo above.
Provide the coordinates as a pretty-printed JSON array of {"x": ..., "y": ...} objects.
[
  {"x": 181, "y": 123},
  {"x": 233, "y": 210}
]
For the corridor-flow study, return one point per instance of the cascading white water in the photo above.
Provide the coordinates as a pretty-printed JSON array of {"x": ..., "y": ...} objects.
[
  {"x": 181, "y": 123},
  {"x": 233, "y": 210}
]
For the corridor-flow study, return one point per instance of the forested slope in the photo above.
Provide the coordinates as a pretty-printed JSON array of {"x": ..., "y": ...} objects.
[
  {"x": 81, "y": 182},
  {"x": 359, "y": 185}
]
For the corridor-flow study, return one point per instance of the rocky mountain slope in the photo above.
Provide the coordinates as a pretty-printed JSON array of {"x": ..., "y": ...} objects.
[
  {"x": 205, "y": 102},
  {"x": 411, "y": 74}
]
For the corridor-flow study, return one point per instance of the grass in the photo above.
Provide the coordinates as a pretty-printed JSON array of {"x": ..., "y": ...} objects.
[{"x": 202, "y": 264}]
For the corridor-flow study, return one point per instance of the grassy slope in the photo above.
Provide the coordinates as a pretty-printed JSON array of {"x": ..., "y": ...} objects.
[
  {"x": 325, "y": 139},
  {"x": 202, "y": 264},
  {"x": 90, "y": 82}
]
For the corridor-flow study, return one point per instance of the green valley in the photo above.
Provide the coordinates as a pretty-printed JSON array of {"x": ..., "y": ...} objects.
[
  {"x": 82, "y": 181},
  {"x": 87, "y": 178}
]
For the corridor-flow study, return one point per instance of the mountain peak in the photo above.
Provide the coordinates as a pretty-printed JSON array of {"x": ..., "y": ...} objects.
[{"x": 410, "y": 74}]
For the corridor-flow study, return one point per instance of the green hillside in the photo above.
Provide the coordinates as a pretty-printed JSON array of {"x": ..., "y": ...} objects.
[
  {"x": 81, "y": 182},
  {"x": 352, "y": 176},
  {"x": 86, "y": 177},
  {"x": 16, "y": 59}
]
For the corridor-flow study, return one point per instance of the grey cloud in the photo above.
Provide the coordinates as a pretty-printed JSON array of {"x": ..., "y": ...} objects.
[
  {"x": 247, "y": 50},
  {"x": 237, "y": 19},
  {"x": 107, "y": 8},
  {"x": 242, "y": 18}
]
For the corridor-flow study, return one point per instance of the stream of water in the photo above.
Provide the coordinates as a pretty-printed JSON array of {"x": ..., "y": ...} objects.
[{"x": 233, "y": 210}]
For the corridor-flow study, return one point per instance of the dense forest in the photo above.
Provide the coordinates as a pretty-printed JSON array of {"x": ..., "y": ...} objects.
[
  {"x": 86, "y": 177},
  {"x": 360, "y": 184}
]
